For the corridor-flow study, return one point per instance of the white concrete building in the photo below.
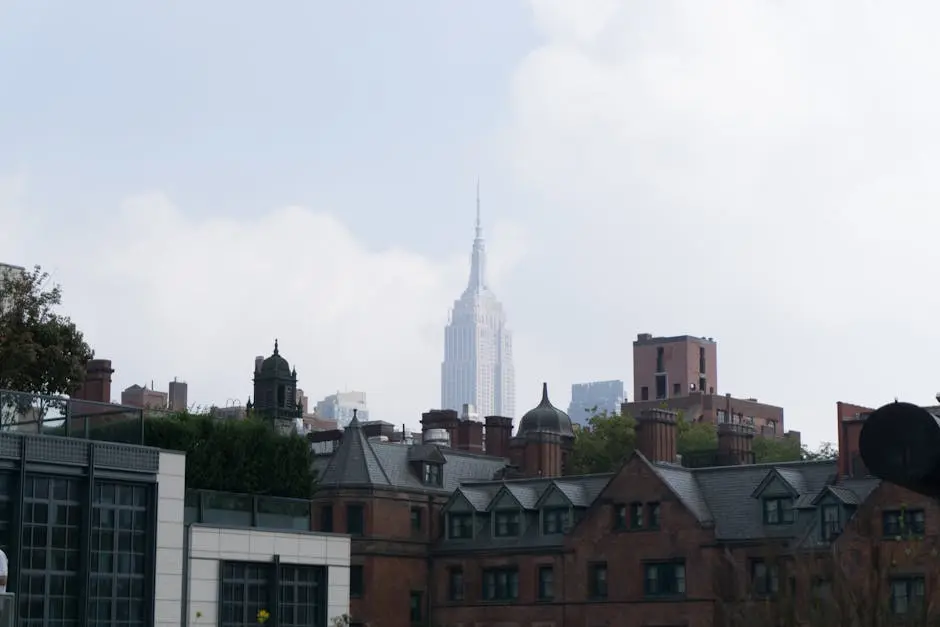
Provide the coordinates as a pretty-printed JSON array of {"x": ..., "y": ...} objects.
[{"x": 478, "y": 368}]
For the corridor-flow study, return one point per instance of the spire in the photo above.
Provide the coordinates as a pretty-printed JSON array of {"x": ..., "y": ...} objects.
[
  {"x": 478, "y": 258},
  {"x": 545, "y": 402},
  {"x": 275, "y": 346}
]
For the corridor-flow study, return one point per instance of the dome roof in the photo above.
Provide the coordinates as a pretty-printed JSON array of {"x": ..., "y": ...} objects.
[
  {"x": 546, "y": 418},
  {"x": 275, "y": 365}
]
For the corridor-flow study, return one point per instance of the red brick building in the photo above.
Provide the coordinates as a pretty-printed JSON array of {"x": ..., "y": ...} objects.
[{"x": 459, "y": 536}]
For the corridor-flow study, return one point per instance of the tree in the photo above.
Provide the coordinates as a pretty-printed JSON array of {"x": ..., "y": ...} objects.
[
  {"x": 41, "y": 351},
  {"x": 774, "y": 450},
  {"x": 695, "y": 437},
  {"x": 826, "y": 451},
  {"x": 604, "y": 445}
]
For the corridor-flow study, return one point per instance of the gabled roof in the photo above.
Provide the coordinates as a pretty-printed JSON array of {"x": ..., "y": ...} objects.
[
  {"x": 792, "y": 480},
  {"x": 425, "y": 453},
  {"x": 683, "y": 484}
]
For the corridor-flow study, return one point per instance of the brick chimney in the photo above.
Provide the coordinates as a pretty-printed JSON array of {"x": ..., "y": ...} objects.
[
  {"x": 850, "y": 419},
  {"x": 324, "y": 442},
  {"x": 97, "y": 384},
  {"x": 469, "y": 436},
  {"x": 656, "y": 434},
  {"x": 735, "y": 444},
  {"x": 498, "y": 435}
]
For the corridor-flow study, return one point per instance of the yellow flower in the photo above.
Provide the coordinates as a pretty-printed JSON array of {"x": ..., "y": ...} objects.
[{"x": 263, "y": 616}]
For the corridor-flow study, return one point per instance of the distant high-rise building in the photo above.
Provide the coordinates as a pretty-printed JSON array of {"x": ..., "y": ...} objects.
[
  {"x": 477, "y": 368},
  {"x": 339, "y": 407},
  {"x": 589, "y": 399},
  {"x": 178, "y": 395},
  {"x": 664, "y": 367},
  {"x": 8, "y": 272}
]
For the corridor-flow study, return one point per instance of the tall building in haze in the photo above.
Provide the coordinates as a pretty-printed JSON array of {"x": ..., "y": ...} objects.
[
  {"x": 477, "y": 367},
  {"x": 590, "y": 399}
]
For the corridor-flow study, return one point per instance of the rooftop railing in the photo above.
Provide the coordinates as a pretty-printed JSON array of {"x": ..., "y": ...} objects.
[
  {"x": 23, "y": 412},
  {"x": 246, "y": 510}
]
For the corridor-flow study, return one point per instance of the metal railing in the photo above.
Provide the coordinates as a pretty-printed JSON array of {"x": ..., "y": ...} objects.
[
  {"x": 247, "y": 510},
  {"x": 24, "y": 412}
]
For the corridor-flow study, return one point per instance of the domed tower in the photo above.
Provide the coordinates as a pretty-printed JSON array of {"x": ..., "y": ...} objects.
[
  {"x": 544, "y": 439},
  {"x": 275, "y": 390}
]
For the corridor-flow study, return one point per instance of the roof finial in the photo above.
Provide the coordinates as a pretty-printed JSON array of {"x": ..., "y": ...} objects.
[
  {"x": 275, "y": 346},
  {"x": 354, "y": 423},
  {"x": 545, "y": 400}
]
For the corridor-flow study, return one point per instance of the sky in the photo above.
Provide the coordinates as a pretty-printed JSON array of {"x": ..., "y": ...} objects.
[{"x": 204, "y": 177}]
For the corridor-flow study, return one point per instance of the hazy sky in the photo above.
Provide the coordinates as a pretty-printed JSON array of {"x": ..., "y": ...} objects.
[{"x": 206, "y": 176}]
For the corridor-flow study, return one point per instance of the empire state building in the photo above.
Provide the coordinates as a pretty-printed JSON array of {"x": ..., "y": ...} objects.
[{"x": 477, "y": 367}]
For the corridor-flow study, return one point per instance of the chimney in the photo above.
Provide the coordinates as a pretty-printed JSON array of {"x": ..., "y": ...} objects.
[
  {"x": 258, "y": 361},
  {"x": 97, "y": 384},
  {"x": 469, "y": 436},
  {"x": 440, "y": 419},
  {"x": 735, "y": 444},
  {"x": 851, "y": 418},
  {"x": 377, "y": 428},
  {"x": 656, "y": 435},
  {"x": 498, "y": 435}
]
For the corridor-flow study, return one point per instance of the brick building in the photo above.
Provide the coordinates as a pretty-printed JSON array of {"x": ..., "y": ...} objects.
[
  {"x": 446, "y": 533},
  {"x": 681, "y": 373}
]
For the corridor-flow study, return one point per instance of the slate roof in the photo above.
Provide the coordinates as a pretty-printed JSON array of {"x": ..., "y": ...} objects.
[{"x": 359, "y": 462}]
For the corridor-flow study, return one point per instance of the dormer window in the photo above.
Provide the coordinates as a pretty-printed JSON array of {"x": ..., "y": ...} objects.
[
  {"x": 460, "y": 526},
  {"x": 554, "y": 520},
  {"x": 778, "y": 510},
  {"x": 831, "y": 522},
  {"x": 506, "y": 524},
  {"x": 433, "y": 474}
]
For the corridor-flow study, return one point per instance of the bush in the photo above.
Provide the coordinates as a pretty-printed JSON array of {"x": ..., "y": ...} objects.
[{"x": 244, "y": 456}]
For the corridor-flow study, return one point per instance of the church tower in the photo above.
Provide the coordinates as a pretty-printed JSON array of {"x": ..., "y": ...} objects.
[{"x": 275, "y": 389}]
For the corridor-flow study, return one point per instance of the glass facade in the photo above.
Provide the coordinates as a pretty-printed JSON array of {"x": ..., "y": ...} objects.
[
  {"x": 293, "y": 594},
  {"x": 81, "y": 550}
]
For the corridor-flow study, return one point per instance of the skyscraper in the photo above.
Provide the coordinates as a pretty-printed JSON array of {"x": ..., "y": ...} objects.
[{"x": 477, "y": 367}]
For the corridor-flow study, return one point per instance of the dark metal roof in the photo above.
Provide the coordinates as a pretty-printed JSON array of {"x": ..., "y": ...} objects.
[{"x": 546, "y": 418}]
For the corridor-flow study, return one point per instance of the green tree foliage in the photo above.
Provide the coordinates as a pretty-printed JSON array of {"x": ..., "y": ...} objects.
[
  {"x": 611, "y": 438},
  {"x": 41, "y": 351},
  {"x": 244, "y": 456}
]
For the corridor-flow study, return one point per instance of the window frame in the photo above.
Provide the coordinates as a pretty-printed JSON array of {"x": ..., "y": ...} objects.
[
  {"x": 830, "y": 528},
  {"x": 357, "y": 591},
  {"x": 432, "y": 474},
  {"x": 417, "y": 520},
  {"x": 621, "y": 516},
  {"x": 782, "y": 511},
  {"x": 327, "y": 515},
  {"x": 456, "y": 584},
  {"x": 903, "y": 529},
  {"x": 453, "y": 517},
  {"x": 507, "y": 592},
  {"x": 653, "y": 515},
  {"x": 598, "y": 587},
  {"x": 910, "y": 583},
  {"x": 416, "y": 610},
  {"x": 545, "y": 592},
  {"x": 675, "y": 566},
  {"x": 513, "y": 523},
  {"x": 361, "y": 509},
  {"x": 764, "y": 577},
  {"x": 637, "y": 516},
  {"x": 559, "y": 516}
]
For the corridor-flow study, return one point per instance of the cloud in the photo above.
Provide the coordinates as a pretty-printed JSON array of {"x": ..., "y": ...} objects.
[
  {"x": 761, "y": 172},
  {"x": 163, "y": 295}
]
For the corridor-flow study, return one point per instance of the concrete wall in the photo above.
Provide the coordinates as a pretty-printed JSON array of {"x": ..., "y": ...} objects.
[
  {"x": 210, "y": 545},
  {"x": 168, "y": 587}
]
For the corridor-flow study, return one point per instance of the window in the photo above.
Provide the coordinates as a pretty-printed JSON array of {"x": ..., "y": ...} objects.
[
  {"x": 831, "y": 522},
  {"x": 507, "y": 524},
  {"x": 652, "y": 515},
  {"x": 644, "y": 393},
  {"x": 357, "y": 582},
  {"x": 903, "y": 523},
  {"x": 416, "y": 610},
  {"x": 660, "y": 355},
  {"x": 822, "y": 590},
  {"x": 416, "y": 519},
  {"x": 702, "y": 383},
  {"x": 51, "y": 542},
  {"x": 722, "y": 416},
  {"x": 907, "y": 595},
  {"x": 326, "y": 518},
  {"x": 355, "y": 520},
  {"x": 455, "y": 584},
  {"x": 554, "y": 520},
  {"x": 778, "y": 511},
  {"x": 636, "y": 515},
  {"x": 546, "y": 583},
  {"x": 433, "y": 474},
  {"x": 500, "y": 584},
  {"x": 765, "y": 578},
  {"x": 660, "y": 387},
  {"x": 620, "y": 517},
  {"x": 120, "y": 541},
  {"x": 244, "y": 593},
  {"x": 302, "y": 596},
  {"x": 460, "y": 526},
  {"x": 676, "y": 389},
  {"x": 701, "y": 362},
  {"x": 597, "y": 581},
  {"x": 664, "y": 579}
]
